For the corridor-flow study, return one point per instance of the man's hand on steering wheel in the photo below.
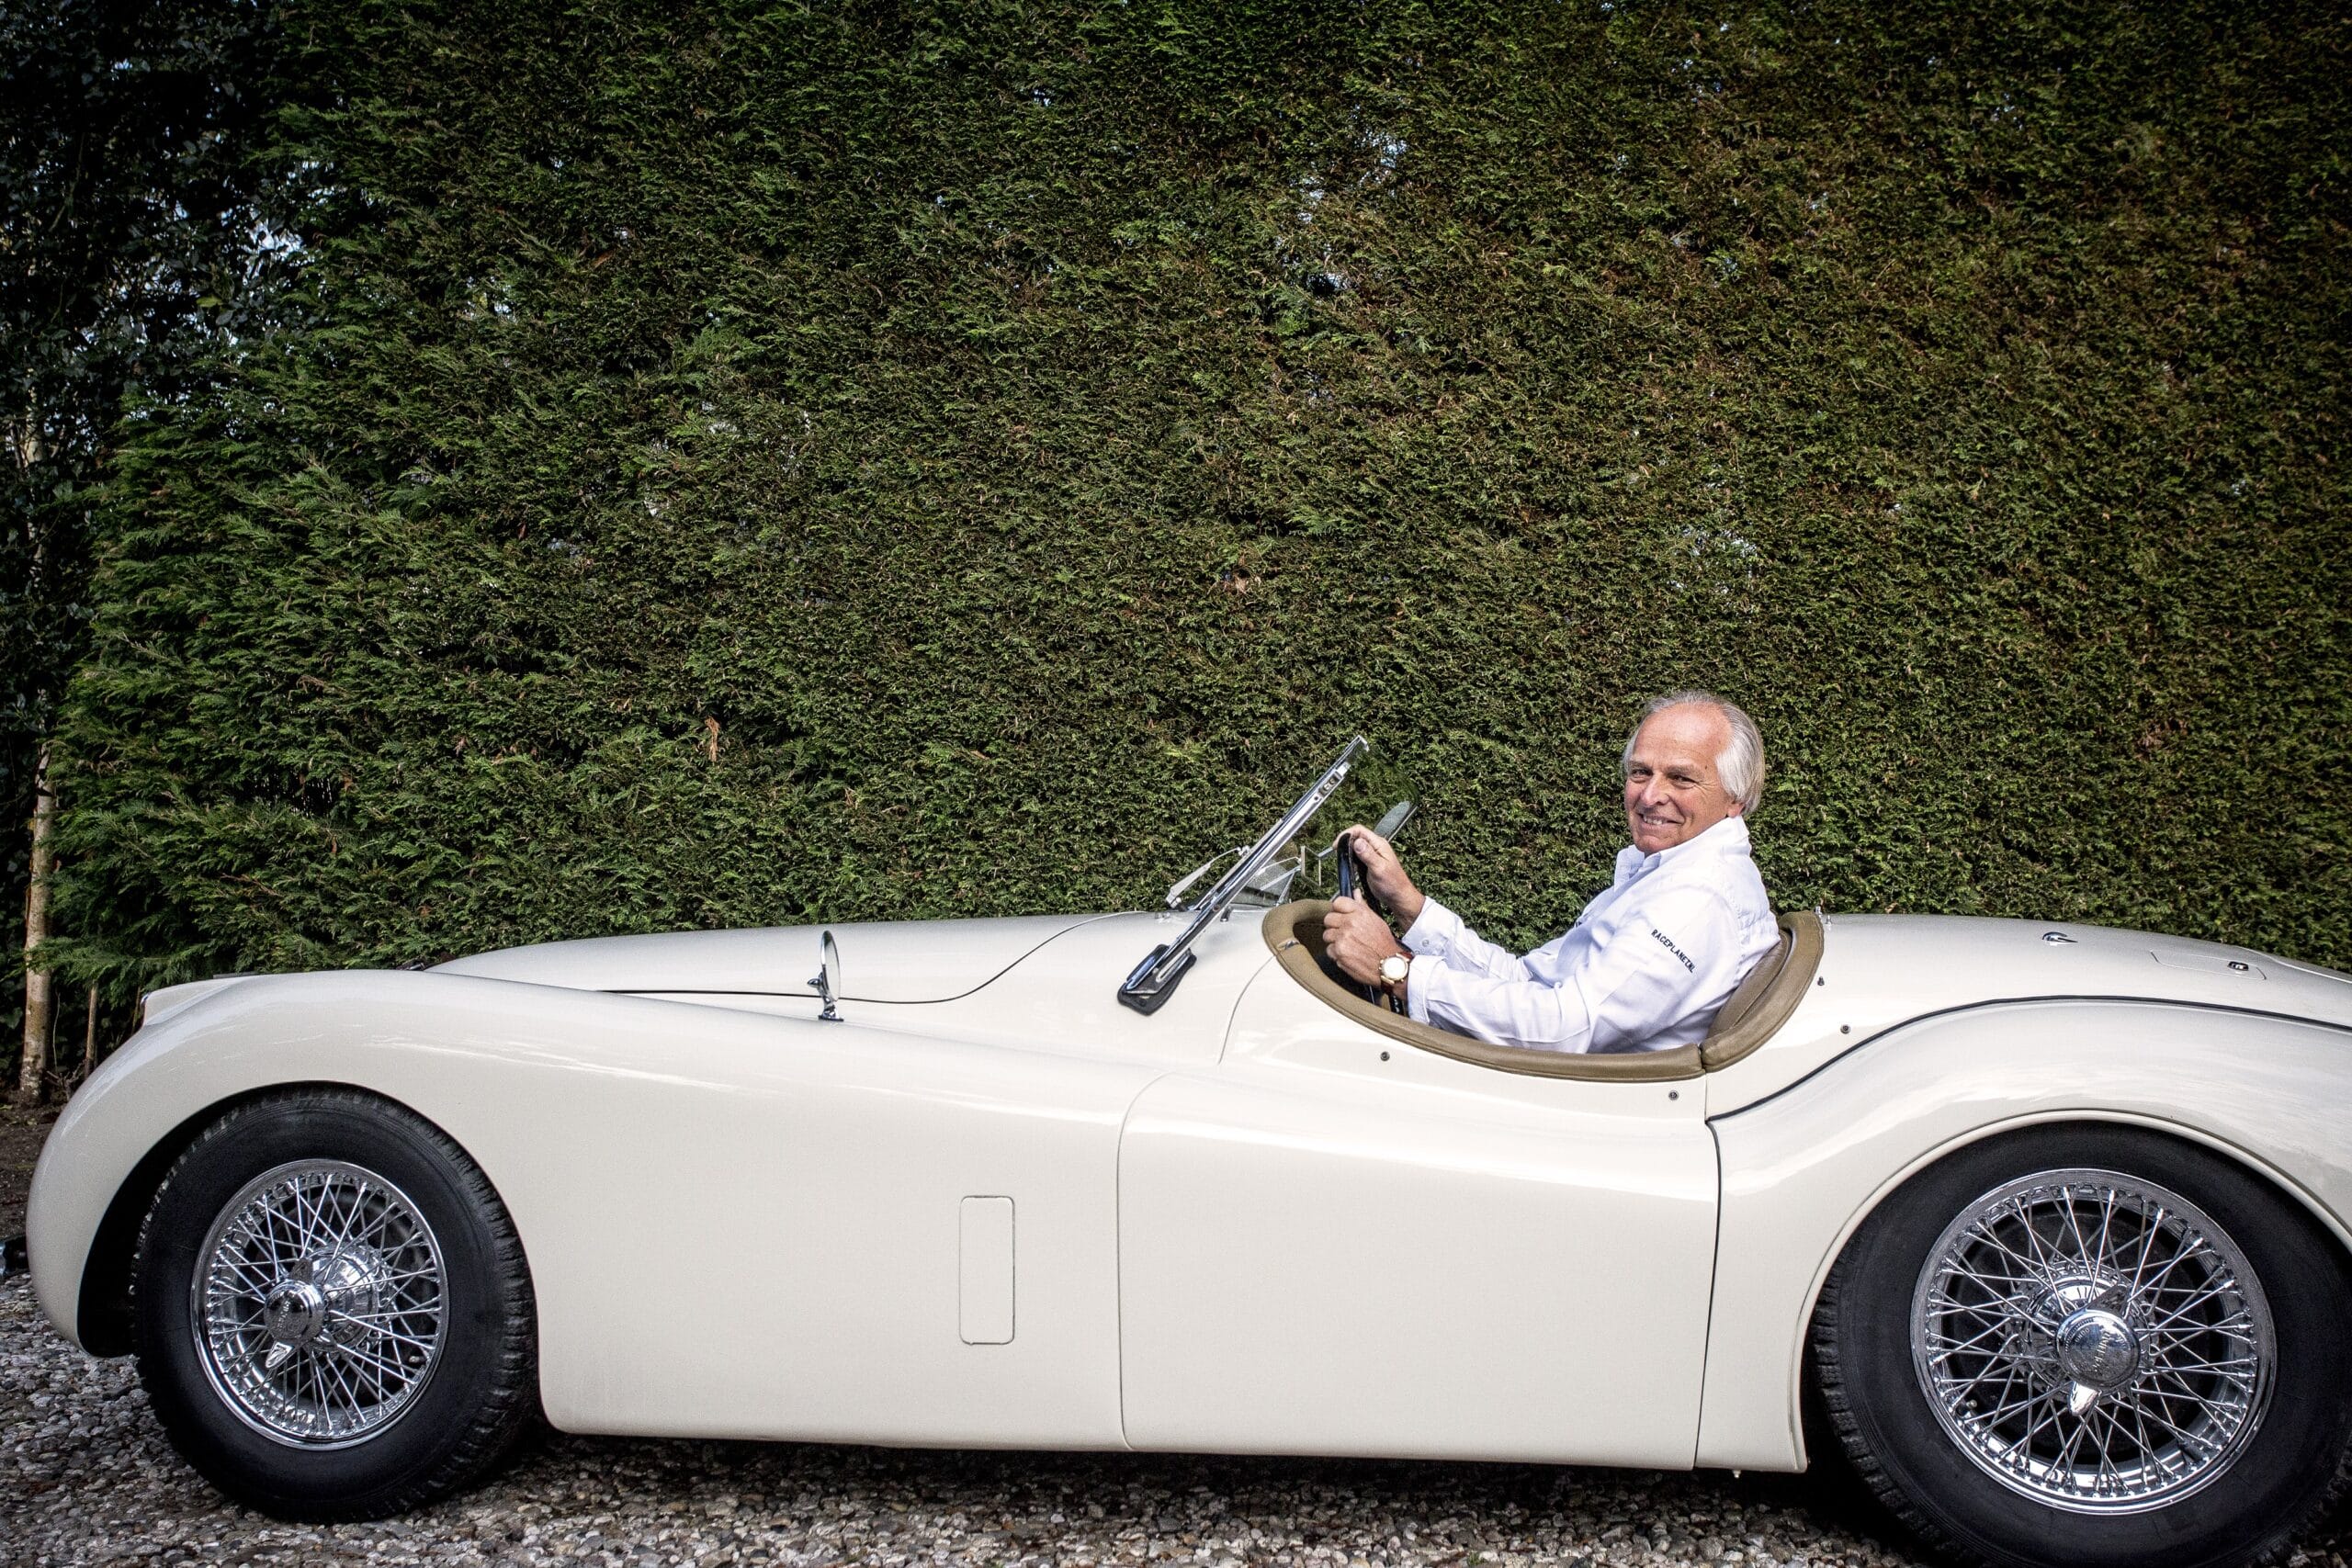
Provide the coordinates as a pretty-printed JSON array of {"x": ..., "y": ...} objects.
[
  {"x": 1385, "y": 874},
  {"x": 1356, "y": 940}
]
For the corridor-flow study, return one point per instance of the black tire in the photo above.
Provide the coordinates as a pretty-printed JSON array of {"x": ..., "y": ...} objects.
[
  {"x": 424, "y": 1344},
  {"x": 2283, "y": 1459}
]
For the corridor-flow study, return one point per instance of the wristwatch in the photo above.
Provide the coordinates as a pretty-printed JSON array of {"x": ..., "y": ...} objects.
[{"x": 1393, "y": 970}]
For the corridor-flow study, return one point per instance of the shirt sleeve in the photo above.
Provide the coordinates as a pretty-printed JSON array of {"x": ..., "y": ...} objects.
[
  {"x": 1438, "y": 933},
  {"x": 1640, "y": 974}
]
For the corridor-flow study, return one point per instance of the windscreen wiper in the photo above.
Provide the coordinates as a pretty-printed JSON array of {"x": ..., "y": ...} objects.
[{"x": 1154, "y": 980}]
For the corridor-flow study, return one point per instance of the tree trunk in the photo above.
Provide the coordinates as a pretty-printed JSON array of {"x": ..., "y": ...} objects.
[{"x": 33, "y": 1067}]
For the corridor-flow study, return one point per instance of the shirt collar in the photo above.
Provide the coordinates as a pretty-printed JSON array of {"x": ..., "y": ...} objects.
[{"x": 1728, "y": 837}]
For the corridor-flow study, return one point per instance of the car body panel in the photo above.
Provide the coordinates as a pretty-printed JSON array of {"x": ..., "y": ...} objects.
[
  {"x": 1804, "y": 1168},
  {"x": 1329, "y": 1246},
  {"x": 883, "y": 961},
  {"x": 725, "y": 1215},
  {"x": 1877, "y": 971}
]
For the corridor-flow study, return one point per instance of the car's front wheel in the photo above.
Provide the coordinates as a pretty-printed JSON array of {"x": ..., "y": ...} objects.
[
  {"x": 335, "y": 1320},
  {"x": 2091, "y": 1346}
]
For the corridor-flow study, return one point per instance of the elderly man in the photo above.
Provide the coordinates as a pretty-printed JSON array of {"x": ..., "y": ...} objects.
[{"x": 1649, "y": 962}]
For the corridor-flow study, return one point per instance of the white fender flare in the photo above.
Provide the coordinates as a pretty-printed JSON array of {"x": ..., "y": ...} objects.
[{"x": 1803, "y": 1170}]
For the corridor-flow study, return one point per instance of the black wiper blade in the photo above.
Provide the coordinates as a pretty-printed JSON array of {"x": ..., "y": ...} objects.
[{"x": 1151, "y": 982}]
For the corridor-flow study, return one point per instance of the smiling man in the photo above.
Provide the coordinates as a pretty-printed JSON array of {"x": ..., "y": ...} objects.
[{"x": 1649, "y": 962}]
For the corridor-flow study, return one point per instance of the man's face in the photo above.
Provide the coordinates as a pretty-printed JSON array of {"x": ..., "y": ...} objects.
[{"x": 1673, "y": 793}]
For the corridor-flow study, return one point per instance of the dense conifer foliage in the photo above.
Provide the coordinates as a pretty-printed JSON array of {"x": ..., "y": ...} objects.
[
  {"x": 783, "y": 462},
  {"x": 134, "y": 244}
]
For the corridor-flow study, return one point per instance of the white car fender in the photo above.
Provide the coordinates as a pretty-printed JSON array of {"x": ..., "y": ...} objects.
[
  {"x": 1803, "y": 1170},
  {"x": 737, "y": 1224}
]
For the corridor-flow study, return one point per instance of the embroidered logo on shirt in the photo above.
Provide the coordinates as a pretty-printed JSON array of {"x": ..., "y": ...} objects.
[{"x": 1667, "y": 942}]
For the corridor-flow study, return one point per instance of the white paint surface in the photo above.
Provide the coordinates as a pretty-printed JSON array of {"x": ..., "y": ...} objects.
[{"x": 985, "y": 1299}]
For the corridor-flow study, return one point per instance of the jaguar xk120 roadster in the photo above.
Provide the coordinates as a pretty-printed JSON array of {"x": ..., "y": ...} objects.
[{"x": 2052, "y": 1221}]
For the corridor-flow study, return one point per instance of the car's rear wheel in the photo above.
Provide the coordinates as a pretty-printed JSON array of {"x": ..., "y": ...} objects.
[
  {"x": 335, "y": 1317},
  {"x": 2091, "y": 1346}
]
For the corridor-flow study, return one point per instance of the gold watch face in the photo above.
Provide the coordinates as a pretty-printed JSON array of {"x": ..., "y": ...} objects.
[{"x": 1394, "y": 968}]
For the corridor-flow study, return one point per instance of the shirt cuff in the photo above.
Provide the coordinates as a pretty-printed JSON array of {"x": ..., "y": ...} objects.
[
  {"x": 1416, "y": 990},
  {"x": 1433, "y": 930}
]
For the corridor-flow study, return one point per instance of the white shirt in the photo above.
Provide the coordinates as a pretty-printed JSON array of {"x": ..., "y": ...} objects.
[{"x": 1648, "y": 963}]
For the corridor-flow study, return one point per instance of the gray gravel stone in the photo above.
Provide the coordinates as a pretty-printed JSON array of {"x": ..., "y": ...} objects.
[{"x": 87, "y": 1477}]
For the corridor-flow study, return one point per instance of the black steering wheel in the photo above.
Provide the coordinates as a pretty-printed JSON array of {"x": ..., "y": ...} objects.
[{"x": 1354, "y": 884}]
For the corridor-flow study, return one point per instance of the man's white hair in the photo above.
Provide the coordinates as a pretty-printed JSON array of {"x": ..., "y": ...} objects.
[{"x": 1741, "y": 763}]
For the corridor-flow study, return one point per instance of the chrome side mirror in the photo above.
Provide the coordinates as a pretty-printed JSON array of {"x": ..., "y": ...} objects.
[{"x": 828, "y": 964}]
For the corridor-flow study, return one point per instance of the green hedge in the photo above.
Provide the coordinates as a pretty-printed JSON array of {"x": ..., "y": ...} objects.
[{"x": 818, "y": 461}]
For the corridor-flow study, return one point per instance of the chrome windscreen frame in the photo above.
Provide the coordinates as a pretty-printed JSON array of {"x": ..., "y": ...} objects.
[{"x": 1151, "y": 982}]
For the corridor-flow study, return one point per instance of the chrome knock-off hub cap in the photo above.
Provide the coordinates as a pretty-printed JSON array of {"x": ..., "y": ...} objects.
[
  {"x": 295, "y": 1312},
  {"x": 2093, "y": 1341},
  {"x": 2097, "y": 1348},
  {"x": 317, "y": 1305}
]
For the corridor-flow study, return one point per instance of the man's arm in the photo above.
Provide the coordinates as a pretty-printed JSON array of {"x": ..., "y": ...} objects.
[
  {"x": 1429, "y": 926},
  {"x": 1640, "y": 975}
]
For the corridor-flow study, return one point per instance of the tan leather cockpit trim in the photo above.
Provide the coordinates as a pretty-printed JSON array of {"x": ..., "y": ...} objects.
[
  {"x": 1294, "y": 932},
  {"x": 1798, "y": 957}
]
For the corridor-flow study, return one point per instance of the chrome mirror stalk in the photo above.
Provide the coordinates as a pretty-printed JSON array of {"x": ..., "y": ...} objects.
[{"x": 828, "y": 963}]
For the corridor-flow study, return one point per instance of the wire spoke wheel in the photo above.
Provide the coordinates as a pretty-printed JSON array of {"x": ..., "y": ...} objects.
[
  {"x": 318, "y": 1303},
  {"x": 2093, "y": 1341}
]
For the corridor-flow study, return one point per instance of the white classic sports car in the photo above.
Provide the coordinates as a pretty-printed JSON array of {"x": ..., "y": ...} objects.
[{"x": 2053, "y": 1220}]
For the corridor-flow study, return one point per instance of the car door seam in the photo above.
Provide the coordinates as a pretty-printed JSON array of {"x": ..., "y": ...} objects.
[{"x": 1119, "y": 1251}]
